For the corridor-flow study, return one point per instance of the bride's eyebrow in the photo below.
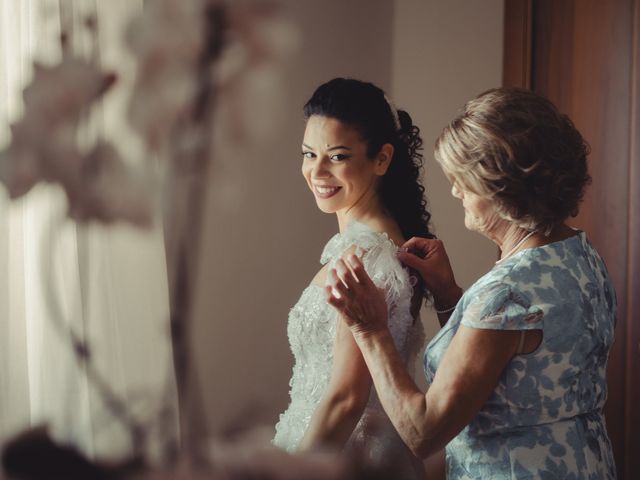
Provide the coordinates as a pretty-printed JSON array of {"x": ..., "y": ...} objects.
[{"x": 336, "y": 147}]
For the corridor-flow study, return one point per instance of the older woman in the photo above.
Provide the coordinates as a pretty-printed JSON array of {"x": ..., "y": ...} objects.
[{"x": 517, "y": 373}]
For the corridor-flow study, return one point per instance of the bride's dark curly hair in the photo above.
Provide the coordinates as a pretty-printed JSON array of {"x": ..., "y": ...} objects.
[{"x": 364, "y": 107}]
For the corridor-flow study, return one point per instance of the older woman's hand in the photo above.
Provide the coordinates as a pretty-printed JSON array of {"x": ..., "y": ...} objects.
[
  {"x": 356, "y": 298},
  {"x": 429, "y": 258}
]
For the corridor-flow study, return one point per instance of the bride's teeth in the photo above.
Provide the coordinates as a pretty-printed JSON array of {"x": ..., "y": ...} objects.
[{"x": 326, "y": 189}]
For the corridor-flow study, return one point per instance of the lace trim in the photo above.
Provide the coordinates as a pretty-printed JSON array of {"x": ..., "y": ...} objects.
[
  {"x": 379, "y": 256},
  {"x": 356, "y": 234}
]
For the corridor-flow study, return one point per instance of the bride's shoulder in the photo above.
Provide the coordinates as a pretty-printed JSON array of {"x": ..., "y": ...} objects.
[
  {"x": 379, "y": 254},
  {"x": 360, "y": 239}
]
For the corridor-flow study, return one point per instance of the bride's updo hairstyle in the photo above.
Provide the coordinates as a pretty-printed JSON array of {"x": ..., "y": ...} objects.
[{"x": 365, "y": 108}]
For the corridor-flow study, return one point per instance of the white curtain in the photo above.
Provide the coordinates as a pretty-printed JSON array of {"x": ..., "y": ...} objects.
[{"x": 109, "y": 281}]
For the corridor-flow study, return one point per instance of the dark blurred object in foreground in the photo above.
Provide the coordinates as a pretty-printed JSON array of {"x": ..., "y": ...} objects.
[{"x": 32, "y": 455}]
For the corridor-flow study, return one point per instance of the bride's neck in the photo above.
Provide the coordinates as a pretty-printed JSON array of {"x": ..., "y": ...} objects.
[
  {"x": 377, "y": 221},
  {"x": 371, "y": 219},
  {"x": 370, "y": 213}
]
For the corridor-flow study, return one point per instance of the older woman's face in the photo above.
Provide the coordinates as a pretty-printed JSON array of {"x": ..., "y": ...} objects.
[{"x": 479, "y": 212}]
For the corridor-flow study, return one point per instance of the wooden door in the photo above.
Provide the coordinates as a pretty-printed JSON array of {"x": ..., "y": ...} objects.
[{"x": 584, "y": 55}]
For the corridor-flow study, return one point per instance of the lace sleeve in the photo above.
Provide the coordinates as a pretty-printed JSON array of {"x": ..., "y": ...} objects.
[{"x": 379, "y": 256}]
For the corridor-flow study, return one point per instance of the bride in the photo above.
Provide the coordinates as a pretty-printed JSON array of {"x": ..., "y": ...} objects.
[{"x": 360, "y": 159}]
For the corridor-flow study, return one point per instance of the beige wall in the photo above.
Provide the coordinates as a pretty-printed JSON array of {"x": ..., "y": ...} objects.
[
  {"x": 445, "y": 53},
  {"x": 262, "y": 243}
]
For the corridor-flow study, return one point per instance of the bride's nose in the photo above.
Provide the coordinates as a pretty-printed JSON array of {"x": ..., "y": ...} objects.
[{"x": 321, "y": 169}]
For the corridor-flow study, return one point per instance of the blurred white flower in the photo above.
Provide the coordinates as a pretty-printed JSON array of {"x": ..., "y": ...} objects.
[
  {"x": 167, "y": 40},
  {"x": 43, "y": 143},
  {"x": 268, "y": 35},
  {"x": 170, "y": 39},
  {"x": 19, "y": 168},
  {"x": 44, "y": 146},
  {"x": 59, "y": 94},
  {"x": 249, "y": 74},
  {"x": 108, "y": 190}
]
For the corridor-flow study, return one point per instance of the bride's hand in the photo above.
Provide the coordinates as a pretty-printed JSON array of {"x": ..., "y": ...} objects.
[{"x": 356, "y": 298}]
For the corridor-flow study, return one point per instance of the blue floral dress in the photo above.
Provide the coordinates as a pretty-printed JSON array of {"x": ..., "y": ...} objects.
[{"x": 544, "y": 419}]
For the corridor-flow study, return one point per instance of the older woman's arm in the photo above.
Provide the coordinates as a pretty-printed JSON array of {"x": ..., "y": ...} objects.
[
  {"x": 466, "y": 377},
  {"x": 467, "y": 374}
]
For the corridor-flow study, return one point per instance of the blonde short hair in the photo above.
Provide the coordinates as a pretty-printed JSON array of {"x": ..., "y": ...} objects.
[{"x": 515, "y": 148}]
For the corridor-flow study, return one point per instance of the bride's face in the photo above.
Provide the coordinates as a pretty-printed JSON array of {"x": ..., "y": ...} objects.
[{"x": 336, "y": 167}]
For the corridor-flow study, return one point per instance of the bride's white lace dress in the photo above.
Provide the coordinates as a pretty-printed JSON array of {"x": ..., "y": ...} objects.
[{"x": 312, "y": 330}]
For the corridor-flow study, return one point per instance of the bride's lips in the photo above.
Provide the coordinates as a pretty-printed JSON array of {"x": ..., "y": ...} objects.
[{"x": 325, "y": 191}]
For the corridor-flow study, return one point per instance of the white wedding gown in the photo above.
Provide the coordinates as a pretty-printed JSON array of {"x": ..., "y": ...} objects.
[{"x": 312, "y": 330}]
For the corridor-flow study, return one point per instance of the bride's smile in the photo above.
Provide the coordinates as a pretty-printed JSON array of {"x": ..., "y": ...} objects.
[
  {"x": 325, "y": 191},
  {"x": 337, "y": 168}
]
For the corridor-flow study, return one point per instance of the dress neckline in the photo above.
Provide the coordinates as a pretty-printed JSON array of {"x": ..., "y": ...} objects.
[
  {"x": 355, "y": 226},
  {"x": 578, "y": 236},
  {"x": 357, "y": 234}
]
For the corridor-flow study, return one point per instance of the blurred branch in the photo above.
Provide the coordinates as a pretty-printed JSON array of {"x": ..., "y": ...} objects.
[{"x": 189, "y": 168}]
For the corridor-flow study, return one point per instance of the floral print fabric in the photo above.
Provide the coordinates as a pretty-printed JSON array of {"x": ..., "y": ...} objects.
[{"x": 544, "y": 419}]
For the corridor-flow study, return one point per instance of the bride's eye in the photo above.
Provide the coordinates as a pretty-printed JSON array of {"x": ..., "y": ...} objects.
[
  {"x": 308, "y": 155},
  {"x": 339, "y": 157}
]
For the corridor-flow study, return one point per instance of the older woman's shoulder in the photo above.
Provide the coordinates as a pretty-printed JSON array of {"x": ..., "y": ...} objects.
[
  {"x": 534, "y": 266},
  {"x": 514, "y": 282},
  {"x": 498, "y": 304}
]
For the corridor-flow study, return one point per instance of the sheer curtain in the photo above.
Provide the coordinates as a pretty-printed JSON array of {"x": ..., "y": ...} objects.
[{"x": 109, "y": 282}]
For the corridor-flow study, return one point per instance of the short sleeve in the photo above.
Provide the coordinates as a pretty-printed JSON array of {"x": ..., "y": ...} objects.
[
  {"x": 501, "y": 307},
  {"x": 384, "y": 268},
  {"x": 379, "y": 257}
]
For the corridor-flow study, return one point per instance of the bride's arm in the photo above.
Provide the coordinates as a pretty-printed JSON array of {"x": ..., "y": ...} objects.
[{"x": 345, "y": 398}]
